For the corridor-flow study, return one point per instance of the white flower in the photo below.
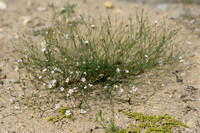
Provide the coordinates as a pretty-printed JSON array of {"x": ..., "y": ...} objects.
[
  {"x": 62, "y": 89},
  {"x": 192, "y": 21},
  {"x": 105, "y": 87},
  {"x": 19, "y": 61},
  {"x": 44, "y": 70},
  {"x": 40, "y": 77},
  {"x": 121, "y": 90},
  {"x": 77, "y": 63},
  {"x": 86, "y": 42},
  {"x": 84, "y": 62},
  {"x": 56, "y": 69},
  {"x": 67, "y": 95},
  {"x": 83, "y": 80},
  {"x": 68, "y": 113},
  {"x": 135, "y": 39},
  {"x": 53, "y": 81},
  {"x": 66, "y": 36},
  {"x": 156, "y": 22},
  {"x": 84, "y": 73},
  {"x": 92, "y": 107},
  {"x": 85, "y": 87},
  {"x": 97, "y": 68},
  {"x": 189, "y": 43},
  {"x": 50, "y": 85},
  {"x": 180, "y": 59},
  {"x": 57, "y": 106},
  {"x": 101, "y": 75},
  {"x": 118, "y": 70},
  {"x": 92, "y": 26},
  {"x": 43, "y": 49},
  {"x": 74, "y": 88},
  {"x": 134, "y": 89},
  {"x": 113, "y": 92},
  {"x": 67, "y": 80},
  {"x": 44, "y": 84},
  {"x": 70, "y": 72},
  {"x": 126, "y": 71},
  {"x": 52, "y": 72},
  {"x": 90, "y": 85},
  {"x": 161, "y": 63},
  {"x": 115, "y": 86},
  {"x": 70, "y": 91},
  {"x": 162, "y": 85},
  {"x": 62, "y": 8},
  {"x": 146, "y": 56},
  {"x": 196, "y": 29},
  {"x": 16, "y": 68},
  {"x": 82, "y": 111}
]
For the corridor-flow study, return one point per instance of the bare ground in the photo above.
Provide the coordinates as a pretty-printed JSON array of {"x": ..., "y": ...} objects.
[{"x": 180, "y": 100}]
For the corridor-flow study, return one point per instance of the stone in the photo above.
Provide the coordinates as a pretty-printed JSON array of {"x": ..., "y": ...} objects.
[
  {"x": 17, "y": 107},
  {"x": 3, "y": 5},
  {"x": 26, "y": 20},
  {"x": 41, "y": 9},
  {"x": 3, "y": 76},
  {"x": 179, "y": 94}
]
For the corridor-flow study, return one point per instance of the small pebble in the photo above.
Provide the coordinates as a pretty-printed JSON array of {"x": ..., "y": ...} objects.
[
  {"x": 26, "y": 19},
  {"x": 41, "y": 8},
  {"x": 3, "y": 5},
  {"x": 96, "y": 127}
]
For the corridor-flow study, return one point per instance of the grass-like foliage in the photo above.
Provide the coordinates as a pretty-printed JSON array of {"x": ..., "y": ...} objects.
[
  {"x": 110, "y": 126},
  {"x": 145, "y": 123},
  {"x": 161, "y": 124},
  {"x": 80, "y": 58}
]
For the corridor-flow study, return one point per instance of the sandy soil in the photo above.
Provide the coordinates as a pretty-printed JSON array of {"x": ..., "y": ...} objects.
[{"x": 180, "y": 100}]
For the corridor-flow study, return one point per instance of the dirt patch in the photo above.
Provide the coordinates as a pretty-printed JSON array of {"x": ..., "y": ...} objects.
[{"x": 179, "y": 97}]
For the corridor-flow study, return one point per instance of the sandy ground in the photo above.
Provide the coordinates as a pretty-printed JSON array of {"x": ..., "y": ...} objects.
[{"x": 180, "y": 100}]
